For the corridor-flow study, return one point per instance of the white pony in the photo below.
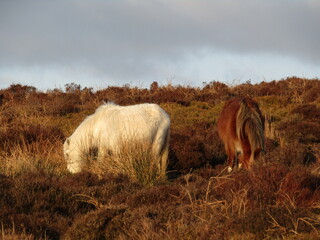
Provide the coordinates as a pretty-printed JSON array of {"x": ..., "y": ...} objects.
[{"x": 111, "y": 126}]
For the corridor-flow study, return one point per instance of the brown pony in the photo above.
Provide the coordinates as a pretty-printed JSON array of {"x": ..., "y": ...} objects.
[{"x": 241, "y": 128}]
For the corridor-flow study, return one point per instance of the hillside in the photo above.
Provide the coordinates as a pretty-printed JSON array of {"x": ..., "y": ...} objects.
[{"x": 278, "y": 199}]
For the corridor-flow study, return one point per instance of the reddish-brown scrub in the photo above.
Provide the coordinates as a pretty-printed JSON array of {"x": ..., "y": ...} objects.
[{"x": 278, "y": 199}]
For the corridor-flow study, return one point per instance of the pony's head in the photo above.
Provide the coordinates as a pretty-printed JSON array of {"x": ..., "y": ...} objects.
[{"x": 71, "y": 155}]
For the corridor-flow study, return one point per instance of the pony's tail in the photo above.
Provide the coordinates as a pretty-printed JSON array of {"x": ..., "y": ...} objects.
[{"x": 249, "y": 124}]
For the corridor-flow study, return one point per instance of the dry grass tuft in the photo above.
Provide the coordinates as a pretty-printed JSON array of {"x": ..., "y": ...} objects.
[
  {"x": 11, "y": 234},
  {"x": 136, "y": 160},
  {"x": 43, "y": 155}
]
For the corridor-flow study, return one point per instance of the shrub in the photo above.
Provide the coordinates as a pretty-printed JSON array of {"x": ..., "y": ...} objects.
[
  {"x": 195, "y": 147},
  {"x": 312, "y": 94},
  {"x": 300, "y": 189},
  {"x": 92, "y": 225},
  {"x": 305, "y": 132},
  {"x": 308, "y": 111}
]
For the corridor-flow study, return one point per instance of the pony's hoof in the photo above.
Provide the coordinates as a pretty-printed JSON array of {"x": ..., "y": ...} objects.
[{"x": 229, "y": 169}]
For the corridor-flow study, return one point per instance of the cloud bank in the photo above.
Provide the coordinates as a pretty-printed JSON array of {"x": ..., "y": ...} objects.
[{"x": 139, "y": 41}]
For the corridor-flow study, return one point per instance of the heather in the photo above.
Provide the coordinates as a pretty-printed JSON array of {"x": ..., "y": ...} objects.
[{"x": 198, "y": 199}]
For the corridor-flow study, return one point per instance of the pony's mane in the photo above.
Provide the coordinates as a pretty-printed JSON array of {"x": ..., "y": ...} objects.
[
  {"x": 251, "y": 116},
  {"x": 105, "y": 106},
  {"x": 108, "y": 103}
]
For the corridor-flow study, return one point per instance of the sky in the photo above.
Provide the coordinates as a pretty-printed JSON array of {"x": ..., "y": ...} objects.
[{"x": 101, "y": 43}]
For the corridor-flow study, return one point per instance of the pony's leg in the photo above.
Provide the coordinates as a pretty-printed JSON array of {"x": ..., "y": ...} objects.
[
  {"x": 251, "y": 160},
  {"x": 165, "y": 153},
  {"x": 102, "y": 154},
  {"x": 161, "y": 154},
  {"x": 231, "y": 157},
  {"x": 164, "y": 160},
  {"x": 238, "y": 163},
  {"x": 247, "y": 157},
  {"x": 160, "y": 148},
  {"x": 159, "y": 157},
  {"x": 246, "y": 160},
  {"x": 241, "y": 162}
]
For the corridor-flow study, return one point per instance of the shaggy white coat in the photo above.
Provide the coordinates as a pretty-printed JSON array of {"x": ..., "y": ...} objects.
[{"x": 112, "y": 125}]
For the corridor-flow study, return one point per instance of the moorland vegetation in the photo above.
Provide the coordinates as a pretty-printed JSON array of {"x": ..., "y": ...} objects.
[{"x": 278, "y": 199}]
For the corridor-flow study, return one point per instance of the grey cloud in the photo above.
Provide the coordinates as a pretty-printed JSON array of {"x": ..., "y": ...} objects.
[{"x": 128, "y": 38}]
